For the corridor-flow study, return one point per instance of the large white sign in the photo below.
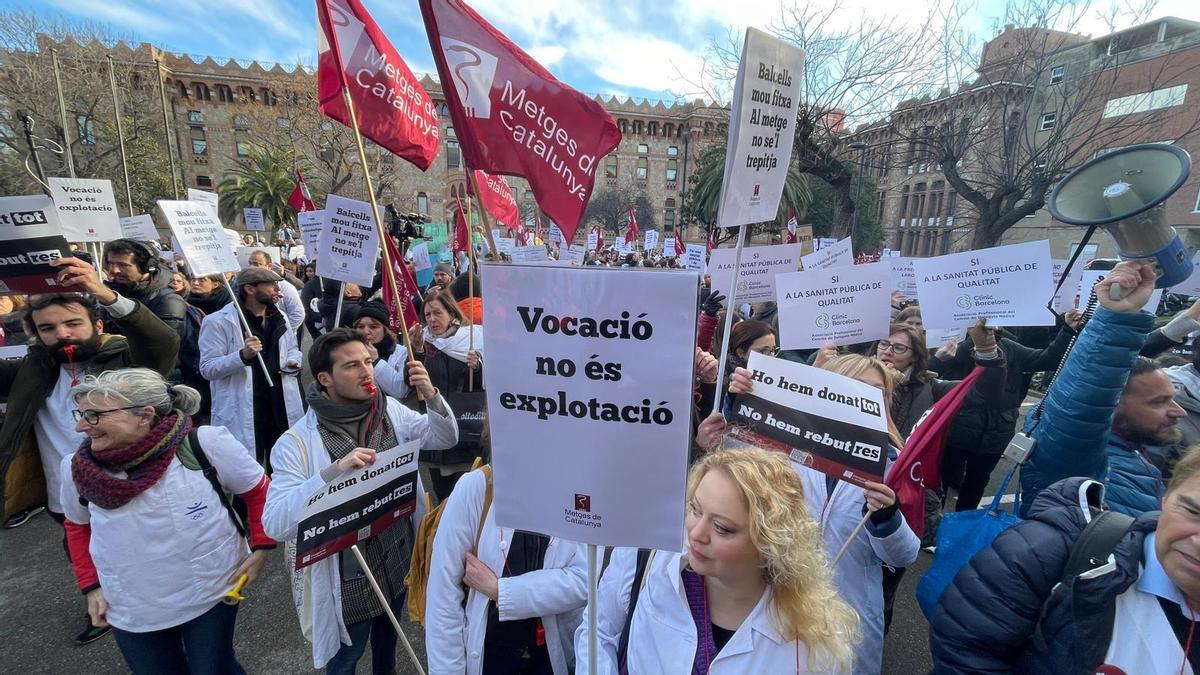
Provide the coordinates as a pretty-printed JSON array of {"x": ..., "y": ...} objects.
[
  {"x": 651, "y": 239},
  {"x": 506, "y": 245},
  {"x": 311, "y": 223},
  {"x": 824, "y": 242},
  {"x": 32, "y": 240},
  {"x": 694, "y": 258},
  {"x": 254, "y": 219},
  {"x": 1007, "y": 284},
  {"x": 87, "y": 209},
  {"x": 200, "y": 238},
  {"x": 589, "y": 391},
  {"x": 576, "y": 254},
  {"x": 840, "y": 254},
  {"x": 349, "y": 242},
  {"x": 140, "y": 228},
  {"x": 420, "y": 256},
  {"x": 593, "y": 240},
  {"x": 528, "y": 254},
  {"x": 840, "y": 306},
  {"x": 904, "y": 276},
  {"x": 759, "y": 265},
  {"x": 669, "y": 247},
  {"x": 761, "y": 129},
  {"x": 209, "y": 198},
  {"x": 1089, "y": 278}
]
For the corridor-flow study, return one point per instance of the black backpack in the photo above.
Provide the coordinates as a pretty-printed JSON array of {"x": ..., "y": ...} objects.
[{"x": 192, "y": 456}]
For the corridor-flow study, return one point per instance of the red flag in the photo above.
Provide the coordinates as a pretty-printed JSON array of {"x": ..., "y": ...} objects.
[
  {"x": 537, "y": 227},
  {"x": 462, "y": 232},
  {"x": 513, "y": 117},
  {"x": 392, "y": 108},
  {"x": 599, "y": 237},
  {"x": 497, "y": 198},
  {"x": 403, "y": 292},
  {"x": 631, "y": 232},
  {"x": 712, "y": 243},
  {"x": 791, "y": 226},
  {"x": 301, "y": 198},
  {"x": 917, "y": 466},
  {"x": 679, "y": 245}
]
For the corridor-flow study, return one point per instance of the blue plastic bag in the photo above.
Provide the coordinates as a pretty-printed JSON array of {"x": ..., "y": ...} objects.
[{"x": 960, "y": 536}]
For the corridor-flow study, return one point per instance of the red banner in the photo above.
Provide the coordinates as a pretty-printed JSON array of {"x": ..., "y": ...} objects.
[
  {"x": 301, "y": 198},
  {"x": 513, "y": 117},
  {"x": 791, "y": 226},
  {"x": 498, "y": 199},
  {"x": 631, "y": 231},
  {"x": 393, "y": 109},
  {"x": 462, "y": 232},
  {"x": 401, "y": 295}
]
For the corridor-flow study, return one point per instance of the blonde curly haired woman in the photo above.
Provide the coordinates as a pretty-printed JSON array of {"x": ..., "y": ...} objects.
[{"x": 751, "y": 593}]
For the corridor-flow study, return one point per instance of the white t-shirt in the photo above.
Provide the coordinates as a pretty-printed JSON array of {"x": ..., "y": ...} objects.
[{"x": 54, "y": 428}]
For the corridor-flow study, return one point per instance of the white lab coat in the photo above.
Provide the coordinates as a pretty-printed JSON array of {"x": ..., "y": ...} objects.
[
  {"x": 291, "y": 305},
  {"x": 389, "y": 374},
  {"x": 221, "y": 341},
  {"x": 662, "y": 637},
  {"x": 295, "y": 479},
  {"x": 557, "y": 593},
  {"x": 165, "y": 557},
  {"x": 859, "y": 575}
]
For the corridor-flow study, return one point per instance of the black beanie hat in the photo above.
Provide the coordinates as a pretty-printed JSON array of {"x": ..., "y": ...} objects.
[
  {"x": 461, "y": 289},
  {"x": 374, "y": 309}
]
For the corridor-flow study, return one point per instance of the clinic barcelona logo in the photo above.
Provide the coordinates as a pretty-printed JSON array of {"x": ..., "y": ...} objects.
[{"x": 583, "y": 503}]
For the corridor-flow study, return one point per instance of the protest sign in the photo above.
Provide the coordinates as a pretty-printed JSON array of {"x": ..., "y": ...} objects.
[
  {"x": 528, "y": 254},
  {"x": 834, "y": 424},
  {"x": 576, "y": 254},
  {"x": 1191, "y": 285},
  {"x": 669, "y": 247},
  {"x": 694, "y": 258},
  {"x": 651, "y": 240},
  {"x": 592, "y": 241},
  {"x": 200, "y": 238},
  {"x": 759, "y": 265},
  {"x": 254, "y": 219},
  {"x": 420, "y": 257},
  {"x": 358, "y": 504},
  {"x": 841, "y": 306},
  {"x": 87, "y": 209},
  {"x": 904, "y": 276},
  {"x": 936, "y": 338},
  {"x": 804, "y": 237},
  {"x": 556, "y": 234},
  {"x": 349, "y": 242},
  {"x": 140, "y": 228},
  {"x": 1064, "y": 299},
  {"x": 32, "y": 239},
  {"x": 759, "y": 149},
  {"x": 506, "y": 245},
  {"x": 1089, "y": 278},
  {"x": 209, "y": 198},
  {"x": 595, "y": 365},
  {"x": 1008, "y": 285},
  {"x": 311, "y": 223},
  {"x": 824, "y": 242},
  {"x": 840, "y": 254}
]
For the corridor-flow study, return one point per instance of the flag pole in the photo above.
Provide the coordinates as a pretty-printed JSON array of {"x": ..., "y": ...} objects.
[
  {"x": 112, "y": 82},
  {"x": 724, "y": 355},
  {"x": 483, "y": 214},
  {"x": 387, "y": 258},
  {"x": 62, "y": 115},
  {"x": 387, "y": 607},
  {"x": 471, "y": 295},
  {"x": 246, "y": 327}
]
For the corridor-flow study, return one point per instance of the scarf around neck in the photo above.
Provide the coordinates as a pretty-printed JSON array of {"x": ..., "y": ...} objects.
[
  {"x": 143, "y": 463},
  {"x": 457, "y": 344},
  {"x": 353, "y": 419}
]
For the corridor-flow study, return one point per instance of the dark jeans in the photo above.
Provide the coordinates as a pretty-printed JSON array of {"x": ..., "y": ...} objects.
[
  {"x": 382, "y": 636},
  {"x": 971, "y": 472},
  {"x": 202, "y": 646}
]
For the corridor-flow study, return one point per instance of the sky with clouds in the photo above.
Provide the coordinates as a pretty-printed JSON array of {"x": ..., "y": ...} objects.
[{"x": 640, "y": 49}]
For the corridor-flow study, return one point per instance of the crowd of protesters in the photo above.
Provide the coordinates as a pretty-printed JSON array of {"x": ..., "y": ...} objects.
[{"x": 160, "y": 419}]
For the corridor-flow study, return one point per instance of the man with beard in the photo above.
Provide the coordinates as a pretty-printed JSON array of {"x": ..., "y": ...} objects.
[
  {"x": 134, "y": 271},
  {"x": 1107, "y": 404},
  {"x": 254, "y": 409},
  {"x": 39, "y": 431}
]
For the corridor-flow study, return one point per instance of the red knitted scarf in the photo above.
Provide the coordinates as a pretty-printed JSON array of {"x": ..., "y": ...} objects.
[{"x": 143, "y": 462}]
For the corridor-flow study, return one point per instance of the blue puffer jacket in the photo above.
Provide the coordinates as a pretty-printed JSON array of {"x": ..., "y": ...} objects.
[
  {"x": 1074, "y": 436},
  {"x": 985, "y": 621}
]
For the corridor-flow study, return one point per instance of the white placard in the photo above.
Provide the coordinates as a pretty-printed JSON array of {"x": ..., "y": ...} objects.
[
  {"x": 140, "y": 228},
  {"x": 1007, "y": 284},
  {"x": 31, "y": 239},
  {"x": 840, "y": 254},
  {"x": 87, "y": 208},
  {"x": 936, "y": 338},
  {"x": 1191, "y": 285},
  {"x": 528, "y": 254},
  {"x": 761, "y": 129},
  {"x": 904, "y": 277},
  {"x": 894, "y": 254},
  {"x": 759, "y": 265},
  {"x": 420, "y": 256},
  {"x": 254, "y": 219},
  {"x": 349, "y": 242},
  {"x": 576, "y": 254},
  {"x": 200, "y": 238},
  {"x": 608, "y": 399},
  {"x": 210, "y": 198},
  {"x": 593, "y": 240},
  {"x": 669, "y": 247},
  {"x": 694, "y": 258},
  {"x": 1089, "y": 278},
  {"x": 506, "y": 245},
  {"x": 556, "y": 234},
  {"x": 495, "y": 233},
  {"x": 823, "y": 242},
  {"x": 1065, "y": 298},
  {"x": 651, "y": 239},
  {"x": 311, "y": 223},
  {"x": 840, "y": 306}
]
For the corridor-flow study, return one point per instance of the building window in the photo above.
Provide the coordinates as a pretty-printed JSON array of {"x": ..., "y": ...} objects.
[
  {"x": 673, "y": 151},
  {"x": 283, "y": 123},
  {"x": 199, "y": 142},
  {"x": 1047, "y": 121},
  {"x": 85, "y": 129},
  {"x": 195, "y": 116},
  {"x": 643, "y": 166},
  {"x": 1146, "y": 101},
  {"x": 203, "y": 181},
  {"x": 1056, "y": 74},
  {"x": 241, "y": 142},
  {"x": 669, "y": 215},
  {"x": 423, "y": 203},
  {"x": 643, "y": 149},
  {"x": 610, "y": 166},
  {"x": 241, "y": 121},
  {"x": 453, "y": 155},
  {"x": 672, "y": 170}
]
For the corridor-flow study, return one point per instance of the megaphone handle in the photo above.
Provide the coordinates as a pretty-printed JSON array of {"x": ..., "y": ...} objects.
[{"x": 1117, "y": 291}]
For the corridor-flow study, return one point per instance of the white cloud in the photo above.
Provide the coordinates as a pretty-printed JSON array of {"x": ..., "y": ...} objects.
[
  {"x": 547, "y": 55},
  {"x": 118, "y": 14}
]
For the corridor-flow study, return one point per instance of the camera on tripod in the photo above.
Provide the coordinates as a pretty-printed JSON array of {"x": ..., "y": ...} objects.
[{"x": 405, "y": 226}]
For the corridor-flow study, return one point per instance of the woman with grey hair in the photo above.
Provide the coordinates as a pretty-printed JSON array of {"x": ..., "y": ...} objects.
[{"x": 155, "y": 546}]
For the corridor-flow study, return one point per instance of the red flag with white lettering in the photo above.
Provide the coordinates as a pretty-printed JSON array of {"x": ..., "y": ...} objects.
[
  {"x": 631, "y": 232},
  {"x": 791, "y": 226},
  {"x": 680, "y": 248},
  {"x": 301, "y": 199},
  {"x": 401, "y": 295},
  {"x": 462, "y": 233},
  {"x": 513, "y": 117},
  {"x": 497, "y": 198},
  {"x": 392, "y": 108}
]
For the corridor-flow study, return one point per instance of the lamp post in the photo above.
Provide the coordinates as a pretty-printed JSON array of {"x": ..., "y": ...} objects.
[{"x": 862, "y": 154}]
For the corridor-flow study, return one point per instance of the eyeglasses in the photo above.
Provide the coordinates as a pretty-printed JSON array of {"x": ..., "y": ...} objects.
[
  {"x": 896, "y": 347},
  {"x": 93, "y": 416},
  {"x": 767, "y": 351}
]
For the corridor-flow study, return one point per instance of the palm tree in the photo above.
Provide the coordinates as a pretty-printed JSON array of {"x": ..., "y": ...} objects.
[
  {"x": 703, "y": 198},
  {"x": 264, "y": 181}
]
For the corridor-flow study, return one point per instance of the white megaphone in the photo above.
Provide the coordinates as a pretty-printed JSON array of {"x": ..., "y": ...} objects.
[{"x": 1125, "y": 192}]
